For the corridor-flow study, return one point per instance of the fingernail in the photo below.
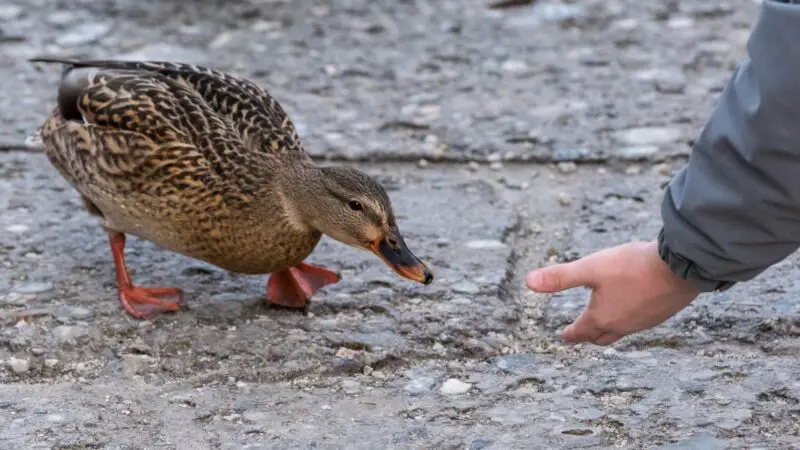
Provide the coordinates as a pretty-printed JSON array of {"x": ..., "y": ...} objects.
[{"x": 535, "y": 280}]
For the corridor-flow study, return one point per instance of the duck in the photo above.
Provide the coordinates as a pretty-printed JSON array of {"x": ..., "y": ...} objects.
[{"x": 207, "y": 164}]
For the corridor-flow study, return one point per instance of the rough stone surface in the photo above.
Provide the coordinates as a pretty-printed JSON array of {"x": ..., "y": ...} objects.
[
  {"x": 437, "y": 80},
  {"x": 404, "y": 85}
]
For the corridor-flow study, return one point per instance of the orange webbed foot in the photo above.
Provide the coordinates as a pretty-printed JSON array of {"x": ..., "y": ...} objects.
[
  {"x": 146, "y": 303},
  {"x": 294, "y": 286}
]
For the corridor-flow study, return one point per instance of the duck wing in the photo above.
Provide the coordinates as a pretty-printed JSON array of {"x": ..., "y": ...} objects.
[
  {"x": 121, "y": 135},
  {"x": 261, "y": 122}
]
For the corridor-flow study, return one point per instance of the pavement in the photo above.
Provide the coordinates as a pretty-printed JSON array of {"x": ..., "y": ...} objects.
[{"x": 508, "y": 138}]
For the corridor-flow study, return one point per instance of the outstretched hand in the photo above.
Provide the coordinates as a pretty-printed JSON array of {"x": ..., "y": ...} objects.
[{"x": 632, "y": 290}]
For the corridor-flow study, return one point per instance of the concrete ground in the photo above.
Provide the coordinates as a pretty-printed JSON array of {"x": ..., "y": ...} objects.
[{"x": 508, "y": 138}]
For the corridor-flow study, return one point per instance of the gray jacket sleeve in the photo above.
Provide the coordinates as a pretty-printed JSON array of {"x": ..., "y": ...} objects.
[{"x": 734, "y": 209}]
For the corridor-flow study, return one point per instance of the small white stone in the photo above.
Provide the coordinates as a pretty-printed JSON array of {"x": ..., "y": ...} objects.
[
  {"x": 610, "y": 353},
  {"x": 351, "y": 387},
  {"x": 454, "y": 387},
  {"x": 680, "y": 22},
  {"x": 10, "y": 12},
  {"x": 19, "y": 365},
  {"x": 347, "y": 353},
  {"x": 617, "y": 400},
  {"x": 17, "y": 228},
  {"x": 514, "y": 66},
  {"x": 486, "y": 244},
  {"x": 50, "y": 363},
  {"x": 564, "y": 199},
  {"x": 567, "y": 167},
  {"x": 648, "y": 135}
]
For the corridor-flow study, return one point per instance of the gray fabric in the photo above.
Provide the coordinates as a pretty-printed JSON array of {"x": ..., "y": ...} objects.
[{"x": 734, "y": 210}]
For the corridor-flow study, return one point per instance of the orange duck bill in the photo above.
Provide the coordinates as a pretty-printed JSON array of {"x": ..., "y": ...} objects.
[{"x": 394, "y": 252}]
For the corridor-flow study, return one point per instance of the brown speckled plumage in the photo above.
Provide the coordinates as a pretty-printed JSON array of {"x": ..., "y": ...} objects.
[
  {"x": 178, "y": 155},
  {"x": 205, "y": 164}
]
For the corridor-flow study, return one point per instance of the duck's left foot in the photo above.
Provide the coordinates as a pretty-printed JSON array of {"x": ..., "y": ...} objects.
[{"x": 294, "y": 286}]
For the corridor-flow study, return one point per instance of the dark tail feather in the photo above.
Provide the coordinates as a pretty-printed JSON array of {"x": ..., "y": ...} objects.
[
  {"x": 54, "y": 61},
  {"x": 68, "y": 64},
  {"x": 71, "y": 87}
]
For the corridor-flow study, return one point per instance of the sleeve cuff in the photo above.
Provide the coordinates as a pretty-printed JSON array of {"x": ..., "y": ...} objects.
[{"x": 685, "y": 269}]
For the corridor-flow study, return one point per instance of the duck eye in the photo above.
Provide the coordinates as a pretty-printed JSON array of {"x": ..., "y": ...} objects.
[{"x": 355, "y": 206}]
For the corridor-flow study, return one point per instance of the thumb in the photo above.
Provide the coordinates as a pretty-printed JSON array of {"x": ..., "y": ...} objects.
[{"x": 560, "y": 277}]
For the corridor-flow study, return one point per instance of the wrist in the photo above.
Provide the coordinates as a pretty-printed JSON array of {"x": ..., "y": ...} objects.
[{"x": 685, "y": 269}]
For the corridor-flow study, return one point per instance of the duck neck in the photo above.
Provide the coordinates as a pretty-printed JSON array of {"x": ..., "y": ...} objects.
[{"x": 300, "y": 190}]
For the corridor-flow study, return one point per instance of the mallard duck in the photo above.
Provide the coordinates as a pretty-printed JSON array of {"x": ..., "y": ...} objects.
[{"x": 208, "y": 165}]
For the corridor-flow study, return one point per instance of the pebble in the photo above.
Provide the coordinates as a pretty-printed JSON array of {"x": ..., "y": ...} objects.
[
  {"x": 465, "y": 287},
  {"x": 486, "y": 244},
  {"x": 347, "y": 353},
  {"x": 85, "y": 33},
  {"x": 454, "y": 386},
  {"x": 564, "y": 199},
  {"x": 610, "y": 353},
  {"x": 14, "y": 298},
  {"x": 648, "y": 135},
  {"x": 636, "y": 152},
  {"x": 50, "y": 363},
  {"x": 19, "y": 365},
  {"x": 633, "y": 170},
  {"x": 79, "y": 312},
  {"x": 61, "y": 18},
  {"x": 423, "y": 163},
  {"x": 69, "y": 332},
  {"x": 480, "y": 444},
  {"x": 670, "y": 82},
  {"x": 558, "y": 12},
  {"x": 638, "y": 354},
  {"x": 663, "y": 169},
  {"x": 351, "y": 387},
  {"x": 10, "y": 12},
  {"x": 419, "y": 385},
  {"x": 366, "y": 370},
  {"x": 567, "y": 167},
  {"x": 56, "y": 418},
  {"x": 378, "y": 374},
  {"x": 680, "y": 22},
  {"x": 33, "y": 287},
  {"x": 17, "y": 228},
  {"x": 514, "y": 66},
  {"x": 617, "y": 400},
  {"x": 496, "y": 166},
  {"x": 473, "y": 166}
]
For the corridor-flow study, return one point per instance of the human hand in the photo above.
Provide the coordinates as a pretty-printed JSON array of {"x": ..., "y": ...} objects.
[{"x": 632, "y": 290}]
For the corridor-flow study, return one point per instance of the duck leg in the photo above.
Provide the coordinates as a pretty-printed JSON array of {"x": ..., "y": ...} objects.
[
  {"x": 139, "y": 302},
  {"x": 294, "y": 286}
]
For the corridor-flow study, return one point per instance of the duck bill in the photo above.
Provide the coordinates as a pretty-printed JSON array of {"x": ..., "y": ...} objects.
[{"x": 393, "y": 251}]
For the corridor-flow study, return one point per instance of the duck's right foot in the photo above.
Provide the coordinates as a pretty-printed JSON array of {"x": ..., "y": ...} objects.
[{"x": 294, "y": 286}]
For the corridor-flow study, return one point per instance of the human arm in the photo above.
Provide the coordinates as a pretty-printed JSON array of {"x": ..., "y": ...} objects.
[{"x": 733, "y": 211}]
